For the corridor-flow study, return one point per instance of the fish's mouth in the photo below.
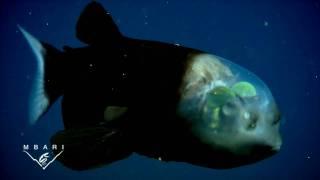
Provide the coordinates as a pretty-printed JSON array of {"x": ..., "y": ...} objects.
[
  {"x": 221, "y": 158},
  {"x": 263, "y": 152}
]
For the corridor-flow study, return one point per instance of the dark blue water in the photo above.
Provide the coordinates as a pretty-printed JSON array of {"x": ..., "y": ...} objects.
[{"x": 278, "y": 40}]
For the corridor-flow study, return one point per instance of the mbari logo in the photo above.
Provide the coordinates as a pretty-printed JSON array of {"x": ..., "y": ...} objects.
[{"x": 42, "y": 159}]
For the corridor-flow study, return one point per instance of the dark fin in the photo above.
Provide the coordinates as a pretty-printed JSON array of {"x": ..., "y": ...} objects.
[
  {"x": 47, "y": 86},
  {"x": 91, "y": 147},
  {"x": 95, "y": 25},
  {"x": 113, "y": 113}
]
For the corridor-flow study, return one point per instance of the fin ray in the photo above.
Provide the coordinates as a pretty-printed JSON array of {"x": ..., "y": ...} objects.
[
  {"x": 39, "y": 101},
  {"x": 47, "y": 83}
]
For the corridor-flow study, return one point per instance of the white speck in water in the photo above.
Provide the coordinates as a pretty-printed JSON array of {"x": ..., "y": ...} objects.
[
  {"x": 266, "y": 23},
  {"x": 146, "y": 23},
  {"x": 316, "y": 76},
  {"x": 30, "y": 13},
  {"x": 176, "y": 44},
  {"x": 159, "y": 158},
  {"x": 308, "y": 157},
  {"x": 90, "y": 65},
  {"x": 47, "y": 24}
]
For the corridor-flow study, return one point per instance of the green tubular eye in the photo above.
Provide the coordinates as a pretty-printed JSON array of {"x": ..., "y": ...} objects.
[
  {"x": 253, "y": 121},
  {"x": 252, "y": 125},
  {"x": 244, "y": 89},
  {"x": 219, "y": 96},
  {"x": 214, "y": 123},
  {"x": 216, "y": 98}
]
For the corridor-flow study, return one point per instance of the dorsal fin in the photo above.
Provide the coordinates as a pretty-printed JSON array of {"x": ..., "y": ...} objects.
[{"x": 95, "y": 25}]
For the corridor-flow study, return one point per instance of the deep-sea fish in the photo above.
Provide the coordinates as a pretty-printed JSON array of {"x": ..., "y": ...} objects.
[{"x": 172, "y": 103}]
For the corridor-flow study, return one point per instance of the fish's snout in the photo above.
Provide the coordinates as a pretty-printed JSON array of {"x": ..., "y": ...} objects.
[
  {"x": 274, "y": 144},
  {"x": 273, "y": 136},
  {"x": 277, "y": 146}
]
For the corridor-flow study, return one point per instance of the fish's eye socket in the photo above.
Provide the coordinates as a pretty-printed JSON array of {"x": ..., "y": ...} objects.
[
  {"x": 277, "y": 118},
  {"x": 231, "y": 109},
  {"x": 253, "y": 121}
]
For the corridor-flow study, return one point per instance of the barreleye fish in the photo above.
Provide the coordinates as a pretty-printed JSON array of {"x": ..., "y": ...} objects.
[{"x": 122, "y": 95}]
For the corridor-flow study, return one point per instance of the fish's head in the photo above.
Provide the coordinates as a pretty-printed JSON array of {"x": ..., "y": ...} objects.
[{"x": 230, "y": 110}]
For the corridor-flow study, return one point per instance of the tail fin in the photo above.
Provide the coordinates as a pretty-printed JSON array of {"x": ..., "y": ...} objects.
[{"x": 47, "y": 84}]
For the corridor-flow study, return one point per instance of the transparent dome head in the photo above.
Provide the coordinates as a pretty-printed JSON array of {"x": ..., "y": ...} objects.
[{"x": 228, "y": 106}]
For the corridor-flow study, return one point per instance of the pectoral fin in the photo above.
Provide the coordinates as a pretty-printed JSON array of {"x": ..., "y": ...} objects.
[
  {"x": 114, "y": 112},
  {"x": 91, "y": 147}
]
